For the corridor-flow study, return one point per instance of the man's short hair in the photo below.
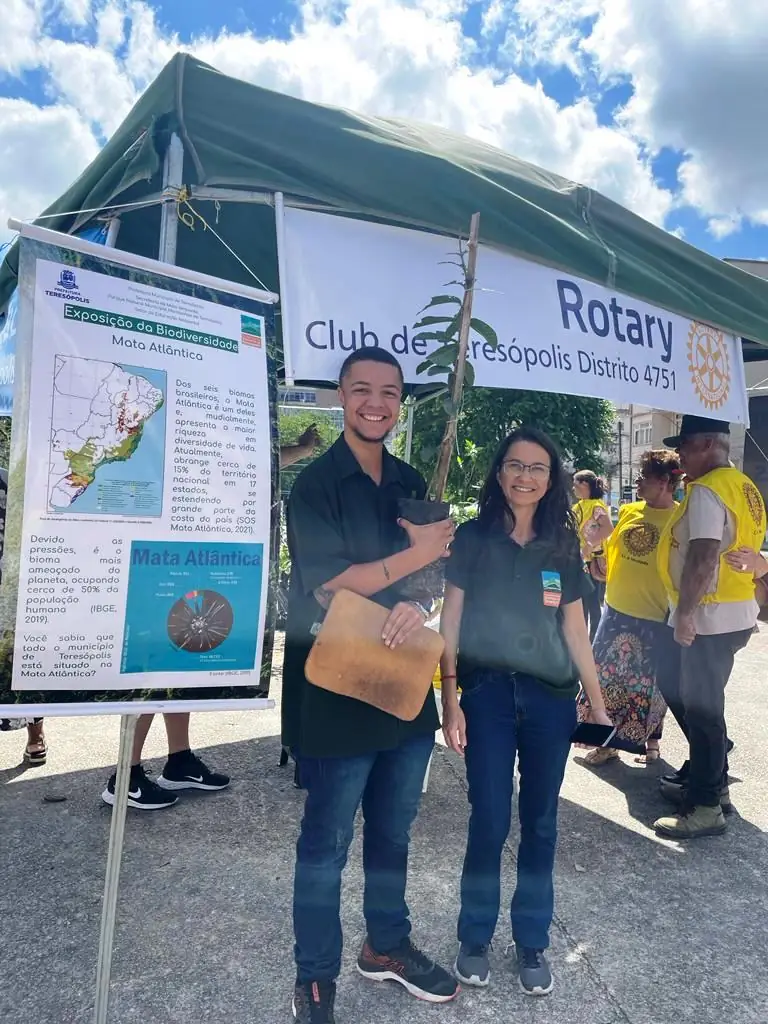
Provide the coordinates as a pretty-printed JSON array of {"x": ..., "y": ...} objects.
[
  {"x": 721, "y": 440},
  {"x": 370, "y": 355}
]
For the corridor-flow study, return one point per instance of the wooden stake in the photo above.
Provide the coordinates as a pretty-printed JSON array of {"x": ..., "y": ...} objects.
[{"x": 440, "y": 478}]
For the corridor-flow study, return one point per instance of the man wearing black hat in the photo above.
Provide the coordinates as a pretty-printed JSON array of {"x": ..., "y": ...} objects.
[{"x": 713, "y": 613}]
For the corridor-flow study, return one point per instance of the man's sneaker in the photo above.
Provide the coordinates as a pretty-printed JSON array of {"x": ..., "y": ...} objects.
[
  {"x": 189, "y": 772},
  {"x": 535, "y": 975},
  {"x": 472, "y": 966},
  {"x": 692, "y": 823},
  {"x": 313, "y": 1002},
  {"x": 144, "y": 794},
  {"x": 677, "y": 794},
  {"x": 409, "y": 967}
]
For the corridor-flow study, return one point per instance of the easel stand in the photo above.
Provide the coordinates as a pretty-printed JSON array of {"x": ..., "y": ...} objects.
[{"x": 114, "y": 860}]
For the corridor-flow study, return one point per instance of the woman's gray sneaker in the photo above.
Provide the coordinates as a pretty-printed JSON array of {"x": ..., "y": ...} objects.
[
  {"x": 472, "y": 966},
  {"x": 535, "y": 975}
]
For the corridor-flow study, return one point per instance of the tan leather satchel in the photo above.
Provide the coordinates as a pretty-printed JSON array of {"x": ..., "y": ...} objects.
[{"x": 350, "y": 658}]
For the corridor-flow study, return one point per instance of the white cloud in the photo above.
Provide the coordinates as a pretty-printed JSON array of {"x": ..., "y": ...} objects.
[
  {"x": 49, "y": 146},
  {"x": 493, "y": 17},
  {"x": 20, "y": 27},
  {"x": 698, "y": 71},
  {"x": 74, "y": 12},
  {"x": 722, "y": 227},
  {"x": 91, "y": 80},
  {"x": 410, "y": 59},
  {"x": 405, "y": 58},
  {"x": 110, "y": 26}
]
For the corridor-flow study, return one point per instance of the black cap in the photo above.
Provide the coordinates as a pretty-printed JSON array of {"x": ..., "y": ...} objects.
[{"x": 697, "y": 425}]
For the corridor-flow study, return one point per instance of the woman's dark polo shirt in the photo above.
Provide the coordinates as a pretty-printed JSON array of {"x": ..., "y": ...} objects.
[
  {"x": 338, "y": 517},
  {"x": 505, "y": 611}
]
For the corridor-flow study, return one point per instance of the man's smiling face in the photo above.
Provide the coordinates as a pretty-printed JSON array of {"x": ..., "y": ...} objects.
[{"x": 370, "y": 395}]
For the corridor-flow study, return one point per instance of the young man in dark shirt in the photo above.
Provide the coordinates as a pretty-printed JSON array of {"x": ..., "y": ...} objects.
[{"x": 344, "y": 533}]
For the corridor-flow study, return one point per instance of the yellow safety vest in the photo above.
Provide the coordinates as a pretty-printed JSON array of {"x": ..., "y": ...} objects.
[{"x": 744, "y": 502}]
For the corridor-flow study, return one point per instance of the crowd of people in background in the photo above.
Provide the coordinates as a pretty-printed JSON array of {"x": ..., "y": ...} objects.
[{"x": 551, "y": 614}]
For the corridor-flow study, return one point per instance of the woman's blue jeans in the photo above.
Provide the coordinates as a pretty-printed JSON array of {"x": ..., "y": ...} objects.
[{"x": 512, "y": 716}]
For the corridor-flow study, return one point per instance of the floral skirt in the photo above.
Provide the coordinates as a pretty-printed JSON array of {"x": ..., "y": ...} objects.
[{"x": 627, "y": 653}]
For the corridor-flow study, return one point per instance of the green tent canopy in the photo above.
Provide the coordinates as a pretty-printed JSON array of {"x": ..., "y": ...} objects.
[{"x": 239, "y": 136}]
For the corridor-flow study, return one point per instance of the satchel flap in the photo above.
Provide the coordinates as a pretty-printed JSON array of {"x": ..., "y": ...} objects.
[{"x": 350, "y": 658}]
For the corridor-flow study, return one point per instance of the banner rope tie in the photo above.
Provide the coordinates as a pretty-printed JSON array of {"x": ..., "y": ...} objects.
[
  {"x": 138, "y": 204},
  {"x": 190, "y": 215}
]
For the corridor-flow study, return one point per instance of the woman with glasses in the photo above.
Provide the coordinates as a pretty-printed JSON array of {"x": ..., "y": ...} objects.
[
  {"x": 590, "y": 490},
  {"x": 516, "y": 644},
  {"x": 633, "y": 640}
]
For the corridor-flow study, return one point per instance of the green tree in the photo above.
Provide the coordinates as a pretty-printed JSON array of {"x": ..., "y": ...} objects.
[
  {"x": 5, "y": 441},
  {"x": 292, "y": 425},
  {"x": 582, "y": 428}
]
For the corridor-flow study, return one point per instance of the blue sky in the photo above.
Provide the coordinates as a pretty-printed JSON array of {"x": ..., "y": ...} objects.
[{"x": 656, "y": 105}]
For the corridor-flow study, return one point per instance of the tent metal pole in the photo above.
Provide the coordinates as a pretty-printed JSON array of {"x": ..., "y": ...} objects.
[
  {"x": 112, "y": 231},
  {"x": 285, "y": 313},
  {"x": 114, "y": 859},
  {"x": 173, "y": 179}
]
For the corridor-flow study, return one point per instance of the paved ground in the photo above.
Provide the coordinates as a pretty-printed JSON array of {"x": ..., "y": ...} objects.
[{"x": 647, "y": 931}]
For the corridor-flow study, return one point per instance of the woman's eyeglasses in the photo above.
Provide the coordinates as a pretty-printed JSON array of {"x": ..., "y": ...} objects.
[{"x": 536, "y": 469}]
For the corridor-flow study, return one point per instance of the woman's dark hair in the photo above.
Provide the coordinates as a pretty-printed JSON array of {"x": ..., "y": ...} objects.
[
  {"x": 553, "y": 520},
  {"x": 596, "y": 485},
  {"x": 661, "y": 463}
]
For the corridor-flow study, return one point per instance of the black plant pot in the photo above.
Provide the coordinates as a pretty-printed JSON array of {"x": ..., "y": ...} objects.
[{"x": 427, "y": 584}]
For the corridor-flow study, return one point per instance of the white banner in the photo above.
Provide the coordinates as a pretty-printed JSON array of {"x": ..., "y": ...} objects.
[
  {"x": 147, "y": 496},
  {"x": 351, "y": 283}
]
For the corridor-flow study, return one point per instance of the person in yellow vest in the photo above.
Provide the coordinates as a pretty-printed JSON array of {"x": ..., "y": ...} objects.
[
  {"x": 713, "y": 613},
  {"x": 633, "y": 639},
  {"x": 589, "y": 490}
]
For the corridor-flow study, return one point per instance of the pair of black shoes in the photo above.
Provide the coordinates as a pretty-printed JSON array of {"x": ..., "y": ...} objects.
[{"x": 183, "y": 771}]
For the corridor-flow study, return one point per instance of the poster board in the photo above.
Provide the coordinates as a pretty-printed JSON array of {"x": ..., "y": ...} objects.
[
  {"x": 351, "y": 283},
  {"x": 141, "y": 511},
  {"x": 96, "y": 232}
]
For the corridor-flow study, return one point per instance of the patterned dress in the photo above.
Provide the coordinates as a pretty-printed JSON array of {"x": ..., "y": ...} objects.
[
  {"x": 633, "y": 640},
  {"x": 627, "y": 652}
]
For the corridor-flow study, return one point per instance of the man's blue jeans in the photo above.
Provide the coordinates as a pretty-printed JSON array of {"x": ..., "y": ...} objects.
[
  {"x": 509, "y": 715},
  {"x": 388, "y": 784}
]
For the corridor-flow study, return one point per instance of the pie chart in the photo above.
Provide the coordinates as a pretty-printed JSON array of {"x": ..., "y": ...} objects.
[{"x": 199, "y": 621}]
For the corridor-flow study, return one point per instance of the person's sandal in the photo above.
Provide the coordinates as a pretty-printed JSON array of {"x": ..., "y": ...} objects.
[
  {"x": 36, "y": 753},
  {"x": 651, "y": 754},
  {"x": 600, "y": 756}
]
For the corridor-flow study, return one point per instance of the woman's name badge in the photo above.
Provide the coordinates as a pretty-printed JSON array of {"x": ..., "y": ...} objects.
[{"x": 553, "y": 590}]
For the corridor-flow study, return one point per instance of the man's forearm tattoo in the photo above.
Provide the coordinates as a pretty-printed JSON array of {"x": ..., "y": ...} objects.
[
  {"x": 323, "y": 596},
  {"x": 386, "y": 571}
]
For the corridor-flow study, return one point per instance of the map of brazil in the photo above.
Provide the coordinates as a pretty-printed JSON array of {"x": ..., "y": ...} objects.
[{"x": 107, "y": 447}]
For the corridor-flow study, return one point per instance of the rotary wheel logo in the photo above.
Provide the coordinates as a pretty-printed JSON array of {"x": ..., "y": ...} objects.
[
  {"x": 709, "y": 365},
  {"x": 642, "y": 540},
  {"x": 754, "y": 503}
]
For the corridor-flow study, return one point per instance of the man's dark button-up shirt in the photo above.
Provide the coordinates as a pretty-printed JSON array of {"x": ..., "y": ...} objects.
[{"x": 337, "y": 517}]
